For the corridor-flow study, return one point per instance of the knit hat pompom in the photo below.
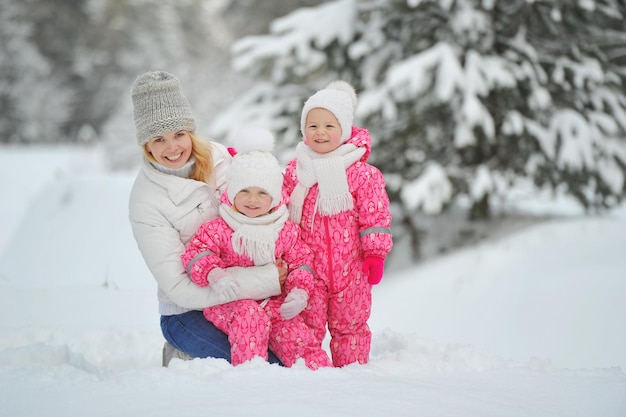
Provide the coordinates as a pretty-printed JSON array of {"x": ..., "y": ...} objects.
[
  {"x": 345, "y": 87},
  {"x": 254, "y": 165},
  {"x": 251, "y": 139},
  {"x": 339, "y": 98},
  {"x": 159, "y": 106}
]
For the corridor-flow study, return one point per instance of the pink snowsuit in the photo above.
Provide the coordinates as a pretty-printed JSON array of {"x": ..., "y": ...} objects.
[
  {"x": 343, "y": 297},
  {"x": 251, "y": 326}
]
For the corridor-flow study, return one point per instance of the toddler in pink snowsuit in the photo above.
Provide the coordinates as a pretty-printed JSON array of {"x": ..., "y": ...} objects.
[
  {"x": 342, "y": 208},
  {"x": 254, "y": 230}
]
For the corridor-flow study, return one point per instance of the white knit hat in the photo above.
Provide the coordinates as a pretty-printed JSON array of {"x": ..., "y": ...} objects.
[
  {"x": 159, "y": 106},
  {"x": 339, "y": 98},
  {"x": 254, "y": 165}
]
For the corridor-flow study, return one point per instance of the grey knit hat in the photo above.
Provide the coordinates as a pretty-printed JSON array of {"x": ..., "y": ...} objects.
[{"x": 159, "y": 106}]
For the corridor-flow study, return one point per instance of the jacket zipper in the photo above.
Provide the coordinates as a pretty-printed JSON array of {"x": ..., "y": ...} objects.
[{"x": 330, "y": 255}]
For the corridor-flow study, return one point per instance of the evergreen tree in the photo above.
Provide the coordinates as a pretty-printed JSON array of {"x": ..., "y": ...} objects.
[
  {"x": 466, "y": 99},
  {"x": 66, "y": 66},
  {"x": 34, "y": 102}
]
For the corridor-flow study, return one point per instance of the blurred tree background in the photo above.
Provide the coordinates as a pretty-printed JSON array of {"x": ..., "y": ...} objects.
[
  {"x": 468, "y": 101},
  {"x": 66, "y": 66}
]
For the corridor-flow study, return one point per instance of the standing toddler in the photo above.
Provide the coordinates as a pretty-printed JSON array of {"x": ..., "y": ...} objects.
[{"x": 341, "y": 205}]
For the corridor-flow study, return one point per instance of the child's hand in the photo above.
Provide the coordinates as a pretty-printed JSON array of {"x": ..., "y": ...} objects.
[
  {"x": 294, "y": 303},
  {"x": 226, "y": 287},
  {"x": 373, "y": 267},
  {"x": 283, "y": 271}
]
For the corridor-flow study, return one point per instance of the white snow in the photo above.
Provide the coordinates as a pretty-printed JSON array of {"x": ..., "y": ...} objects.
[{"x": 526, "y": 325}]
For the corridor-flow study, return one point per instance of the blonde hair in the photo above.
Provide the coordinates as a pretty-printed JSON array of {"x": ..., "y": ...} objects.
[{"x": 202, "y": 153}]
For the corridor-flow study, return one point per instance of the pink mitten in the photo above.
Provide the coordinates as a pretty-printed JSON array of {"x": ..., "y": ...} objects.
[{"x": 373, "y": 267}]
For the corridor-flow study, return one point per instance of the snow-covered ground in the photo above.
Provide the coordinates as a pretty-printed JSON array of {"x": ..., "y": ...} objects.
[{"x": 529, "y": 324}]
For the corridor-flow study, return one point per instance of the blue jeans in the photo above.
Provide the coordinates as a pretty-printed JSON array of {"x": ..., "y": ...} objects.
[{"x": 191, "y": 333}]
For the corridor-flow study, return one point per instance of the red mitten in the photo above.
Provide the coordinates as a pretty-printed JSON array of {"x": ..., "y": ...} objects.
[{"x": 373, "y": 266}]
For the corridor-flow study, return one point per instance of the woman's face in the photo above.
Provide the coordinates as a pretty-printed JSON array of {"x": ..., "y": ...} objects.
[
  {"x": 322, "y": 132},
  {"x": 171, "y": 149}
]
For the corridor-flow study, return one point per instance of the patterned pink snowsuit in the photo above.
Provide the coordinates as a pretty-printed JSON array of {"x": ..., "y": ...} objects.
[
  {"x": 251, "y": 327},
  {"x": 343, "y": 297}
]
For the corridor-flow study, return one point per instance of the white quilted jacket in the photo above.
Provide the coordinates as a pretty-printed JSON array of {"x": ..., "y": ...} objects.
[{"x": 165, "y": 211}]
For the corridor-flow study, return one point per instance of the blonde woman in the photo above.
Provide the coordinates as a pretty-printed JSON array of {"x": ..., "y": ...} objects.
[{"x": 176, "y": 190}]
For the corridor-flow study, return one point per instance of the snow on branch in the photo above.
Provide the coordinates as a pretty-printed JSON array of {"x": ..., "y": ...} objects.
[
  {"x": 296, "y": 41},
  {"x": 430, "y": 192}
]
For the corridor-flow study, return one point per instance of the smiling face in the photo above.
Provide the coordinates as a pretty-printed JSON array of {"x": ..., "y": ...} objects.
[
  {"x": 253, "y": 202},
  {"x": 322, "y": 131},
  {"x": 171, "y": 149}
]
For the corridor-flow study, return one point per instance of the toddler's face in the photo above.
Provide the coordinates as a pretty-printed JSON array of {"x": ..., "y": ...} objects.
[
  {"x": 253, "y": 202},
  {"x": 322, "y": 132}
]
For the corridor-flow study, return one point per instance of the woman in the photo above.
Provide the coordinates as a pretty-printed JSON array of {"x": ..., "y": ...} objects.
[{"x": 176, "y": 191}]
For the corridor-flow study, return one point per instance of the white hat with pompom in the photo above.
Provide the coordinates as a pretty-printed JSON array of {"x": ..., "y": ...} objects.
[
  {"x": 254, "y": 165},
  {"x": 339, "y": 98}
]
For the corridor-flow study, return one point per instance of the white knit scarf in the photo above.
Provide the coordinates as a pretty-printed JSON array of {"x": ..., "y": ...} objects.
[
  {"x": 329, "y": 172},
  {"x": 255, "y": 236}
]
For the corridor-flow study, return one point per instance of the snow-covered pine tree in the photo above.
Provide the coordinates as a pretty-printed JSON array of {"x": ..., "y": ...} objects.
[{"x": 466, "y": 99}]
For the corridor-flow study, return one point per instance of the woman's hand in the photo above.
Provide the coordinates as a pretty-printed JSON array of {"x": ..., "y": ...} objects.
[{"x": 283, "y": 270}]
